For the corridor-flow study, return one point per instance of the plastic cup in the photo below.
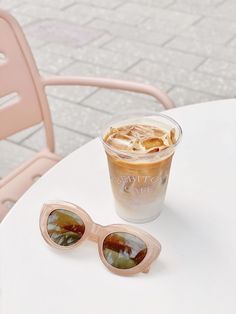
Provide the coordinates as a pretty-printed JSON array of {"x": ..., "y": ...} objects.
[{"x": 139, "y": 181}]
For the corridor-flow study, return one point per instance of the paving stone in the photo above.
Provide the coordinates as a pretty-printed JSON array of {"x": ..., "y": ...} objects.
[
  {"x": 219, "y": 68},
  {"x": 232, "y": 43},
  {"x": 92, "y": 55},
  {"x": 147, "y": 80},
  {"x": 170, "y": 21},
  {"x": 183, "y": 96},
  {"x": 170, "y": 26},
  {"x": 203, "y": 48},
  {"x": 86, "y": 69},
  {"x": 194, "y": 6},
  {"x": 154, "y": 53},
  {"x": 82, "y": 13},
  {"x": 55, "y": 4},
  {"x": 225, "y": 9},
  {"x": 35, "y": 42},
  {"x": 9, "y": 4},
  {"x": 140, "y": 10},
  {"x": 104, "y": 39},
  {"x": 130, "y": 32},
  {"x": 210, "y": 34},
  {"x": 71, "y": 93},
  {"x": 165, "y": 73},
  {"x": 123, "y": 14},
  {"x": 97, "y": 56},
  {"x": 197, "y": 81},
  {"x": 60, "y": 49},
  {"x": 62, "y": 32},
  {"x": 115, "y": 102},
  {"x": 107, "y": 4},
  {"x": 66, "y": 141},
  {"x": 12, "y": 155},
  {"x": 24, "y": 20},
  {"x": 22, "y": 135},
  {"x": 218, "y": 24},
  {"x": 87, "y": 121},
  {"x": 165, "y": 17},
  {"x": 155, "y": 3},
  {"x": 37, "y": 11},
  {"x": 51, "y": 62}
]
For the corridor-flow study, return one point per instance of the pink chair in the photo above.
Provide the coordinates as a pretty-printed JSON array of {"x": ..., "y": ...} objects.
[{"x": 19, "y": 74}]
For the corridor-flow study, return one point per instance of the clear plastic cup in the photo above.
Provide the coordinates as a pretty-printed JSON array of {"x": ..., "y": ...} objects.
[{"x": 139, "y": 181}]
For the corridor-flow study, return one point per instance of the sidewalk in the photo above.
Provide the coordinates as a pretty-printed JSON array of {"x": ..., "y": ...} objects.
[{"x": 185, "y": 47}]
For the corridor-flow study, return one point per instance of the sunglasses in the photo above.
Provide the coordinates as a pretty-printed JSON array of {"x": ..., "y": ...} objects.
[{"x": 124, "y": 250}]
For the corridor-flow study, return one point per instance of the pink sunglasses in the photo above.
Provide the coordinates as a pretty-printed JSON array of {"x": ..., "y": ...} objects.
[{"x": 123, "y": 249}]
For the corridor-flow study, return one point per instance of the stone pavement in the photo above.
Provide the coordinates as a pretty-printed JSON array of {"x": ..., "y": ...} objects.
[{"x": 185, "y": 47}]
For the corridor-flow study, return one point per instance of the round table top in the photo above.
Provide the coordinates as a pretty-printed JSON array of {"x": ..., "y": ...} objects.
[{"x": 195, "y": 272}]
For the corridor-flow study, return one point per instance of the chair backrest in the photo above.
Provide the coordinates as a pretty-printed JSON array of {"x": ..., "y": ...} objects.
[{"x": 19, "y": 76}]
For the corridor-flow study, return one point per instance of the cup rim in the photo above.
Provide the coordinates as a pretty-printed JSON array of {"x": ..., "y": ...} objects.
[{"x": 117, "y": 118}]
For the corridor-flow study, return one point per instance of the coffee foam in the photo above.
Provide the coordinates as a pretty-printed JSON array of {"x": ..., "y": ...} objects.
[{"x": 140, "y": 138}]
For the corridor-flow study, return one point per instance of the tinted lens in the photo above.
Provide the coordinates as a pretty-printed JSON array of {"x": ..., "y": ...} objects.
[
  {"x": 64, "y": 227},
  {"x": 123, "y": 250}
]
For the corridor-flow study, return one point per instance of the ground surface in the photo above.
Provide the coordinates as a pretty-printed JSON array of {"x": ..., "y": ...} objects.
[{"x": 185, "y": 47}]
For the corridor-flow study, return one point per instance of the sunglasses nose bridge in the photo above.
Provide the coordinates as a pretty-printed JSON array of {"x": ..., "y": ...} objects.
[{"x": 94, "y": 233}]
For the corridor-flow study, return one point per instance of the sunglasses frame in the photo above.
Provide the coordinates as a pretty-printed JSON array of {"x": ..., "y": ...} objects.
[{"x": 97, "y": 233}]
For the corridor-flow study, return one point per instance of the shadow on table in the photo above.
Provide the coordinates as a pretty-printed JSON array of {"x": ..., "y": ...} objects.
[{"x": 85, "y": 251}]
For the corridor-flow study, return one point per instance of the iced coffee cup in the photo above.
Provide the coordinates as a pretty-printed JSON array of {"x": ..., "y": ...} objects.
[{"x": 139, "y": 149}]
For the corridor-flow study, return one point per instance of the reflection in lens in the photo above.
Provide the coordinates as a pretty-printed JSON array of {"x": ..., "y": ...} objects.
[
  {"x": 123, "y": 250},
  {"x": 65, "y": 227}
]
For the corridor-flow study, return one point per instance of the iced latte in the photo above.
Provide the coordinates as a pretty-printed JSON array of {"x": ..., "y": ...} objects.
[{"x": 139, "y": 153}]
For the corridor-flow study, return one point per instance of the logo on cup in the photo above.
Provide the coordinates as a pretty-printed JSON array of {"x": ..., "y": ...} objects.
[{"x": 138, "y": 184}]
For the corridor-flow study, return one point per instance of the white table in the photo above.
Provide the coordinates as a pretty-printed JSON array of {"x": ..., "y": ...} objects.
[{"x": 196, "y": 271}]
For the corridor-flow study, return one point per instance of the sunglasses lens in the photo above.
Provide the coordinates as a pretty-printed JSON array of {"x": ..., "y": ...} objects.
[
  {"x": 65, "y": 227},
  {"x": 123, "y": 250}
]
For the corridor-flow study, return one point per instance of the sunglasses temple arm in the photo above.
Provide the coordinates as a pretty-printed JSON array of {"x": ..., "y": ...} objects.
[
  {"x": 157, "y": 245},
  {"x": 157, "y": 251},
  {"x": 146, "y": 270}
]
